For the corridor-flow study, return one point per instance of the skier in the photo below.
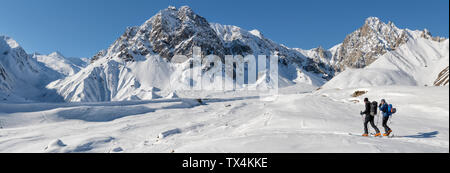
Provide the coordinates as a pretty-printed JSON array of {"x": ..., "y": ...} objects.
[
  {"x": 369, "y": 118},
  {"x": 386, "y": 114}
]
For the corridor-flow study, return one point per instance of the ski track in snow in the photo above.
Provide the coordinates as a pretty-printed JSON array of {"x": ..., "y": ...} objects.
[{"x": 318, "y": 121}]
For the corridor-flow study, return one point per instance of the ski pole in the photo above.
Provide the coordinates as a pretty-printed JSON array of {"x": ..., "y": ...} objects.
[
  {"x": 378, "y": 118},
  {"x": 362, "y": 118}
]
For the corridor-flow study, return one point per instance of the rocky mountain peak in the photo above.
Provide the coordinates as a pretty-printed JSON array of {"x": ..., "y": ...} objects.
[
  {"x": 179, "y": 31},
  {"x": 374, "y": 25},
  {"x": 373, "y": 21},
  {"x": 427, "y": 35},
  {"x": 170, "y": 32},
  {"x": 172, "y": 8},
  {"x": 361, "y": 47},
  {"x": 186, "y": 11}
]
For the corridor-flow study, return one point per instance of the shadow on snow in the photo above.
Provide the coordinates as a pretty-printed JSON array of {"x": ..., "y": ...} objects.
[
  {"x": 422, "y": 135},
  {"x": 36, "y": 107}
]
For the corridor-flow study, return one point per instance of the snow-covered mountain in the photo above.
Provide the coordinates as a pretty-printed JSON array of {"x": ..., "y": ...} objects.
[
  {"x": 61, "y": 64},
  {"x": 365, "y": 45},
  {"x": 379, "y": 54},
  {"x": 122, "y": 71},
  {"x": 138, "y": 65},
  {"x": 243, "y": 42},
  {"x": 21, "y": 74},
  {"x": 421, "y": 61},
  {"x": 23, "y": 77}
]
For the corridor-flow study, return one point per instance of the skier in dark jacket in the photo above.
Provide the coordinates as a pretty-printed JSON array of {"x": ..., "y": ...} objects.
[
  {"x": 386, "y": 115},
  {"x": 369, "y": 118}
]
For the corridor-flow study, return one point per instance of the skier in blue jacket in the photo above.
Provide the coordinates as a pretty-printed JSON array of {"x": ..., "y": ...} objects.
[{"x": 386, "y": 115}]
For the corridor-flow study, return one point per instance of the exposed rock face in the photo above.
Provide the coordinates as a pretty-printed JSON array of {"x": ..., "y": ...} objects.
[
  {"x": 321, "y": 58},
  {"x": 98, "y": 55},
  {"x": 178, "y": 32},
  {"x": 361, "y": 47},
  {"x": 443, "y": 78},
  {"x": 318, "y": 61},
  {"x": 427, "y": 34},
  {"x": 170, "y": 32},
  {"x": 4, "y": 79}
]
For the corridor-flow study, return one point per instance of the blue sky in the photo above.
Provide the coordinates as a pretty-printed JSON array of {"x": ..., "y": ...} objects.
[{"x": 80, "y": 28}]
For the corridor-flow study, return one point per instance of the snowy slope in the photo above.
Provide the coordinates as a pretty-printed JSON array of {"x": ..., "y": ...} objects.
[
  {"x": 418, "y": 62},
  {"x": 230, "y": 123},
  {"x": 61, "y": 64},
  {"x": 111, "y": 80},
  {"x": 14, "y": 61},
  {"x": 23, "y": 77}
]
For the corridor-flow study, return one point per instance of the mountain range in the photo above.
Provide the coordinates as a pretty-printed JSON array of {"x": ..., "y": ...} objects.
[{"x": 139, "y": 64}]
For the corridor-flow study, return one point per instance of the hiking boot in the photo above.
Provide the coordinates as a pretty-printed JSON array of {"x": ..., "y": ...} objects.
[
  {"x": 378, "y": 134},
  {"x": 365, "y": 134},
  {"x": 389, "y": 132},
  {"x": 386, "y": 134}
]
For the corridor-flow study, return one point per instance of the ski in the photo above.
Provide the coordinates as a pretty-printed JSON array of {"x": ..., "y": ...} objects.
[
  {"x": 372, "y": 135},
  {"x": 360, "y": 135}
]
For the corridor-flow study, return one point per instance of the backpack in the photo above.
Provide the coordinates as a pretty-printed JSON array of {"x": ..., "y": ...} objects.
[
  {"x": 373, "y": 108},
  {"x": 391, "y": 109}
]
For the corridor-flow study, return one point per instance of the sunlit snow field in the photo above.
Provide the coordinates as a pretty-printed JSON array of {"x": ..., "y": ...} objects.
[{"x": 299, "y": 119}]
